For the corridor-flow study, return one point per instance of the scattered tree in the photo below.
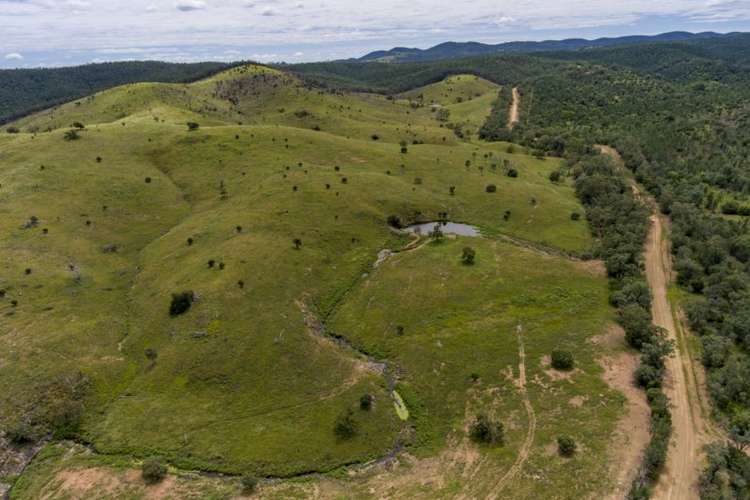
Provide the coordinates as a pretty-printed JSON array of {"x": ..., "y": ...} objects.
[
  {"x": 71, "y": 135},
  {"x": 181, "y": 302},
  {"x": 365, "y": 402},
  {"x": 468, "y": 255},
  {"x": 153, "y": 470},
  {"x": 487, "y": 431},
  {"x": 562, "y": 360},
  {"x": 346, "y": 426},
  {"x": 394, "y": 221},
  {"x": 566, "y": 446},
  {"x": 249, "y": 483}
]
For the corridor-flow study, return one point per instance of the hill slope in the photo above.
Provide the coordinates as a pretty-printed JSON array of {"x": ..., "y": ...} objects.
[
  {"x": 267, "y": 220},
  {"x": 26, "y": 90}
]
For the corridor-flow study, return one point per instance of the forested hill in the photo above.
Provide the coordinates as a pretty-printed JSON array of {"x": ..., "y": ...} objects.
[
  {"x": 449, "y": 50},
  {"x": 26, "y": 90}
]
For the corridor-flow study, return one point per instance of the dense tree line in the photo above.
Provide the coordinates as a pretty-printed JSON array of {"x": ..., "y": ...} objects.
[
  {"x": 620, "y": 223},
  {"x": 23, "y": 91}
]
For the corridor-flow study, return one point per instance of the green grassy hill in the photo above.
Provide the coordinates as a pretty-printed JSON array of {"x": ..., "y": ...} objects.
[{"x": 272, "y": 214}]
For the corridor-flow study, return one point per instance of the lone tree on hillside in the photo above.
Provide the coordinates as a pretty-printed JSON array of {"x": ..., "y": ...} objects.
[
  {"x": 468, "y": 255},
  {"x": 566, "y": 446},
  {"x": 71, "y": 135},
  {"x": 346, "y": 426},
  {"x": 365, "y": 402},
  {"x": 151, "y": 354},
  {"x": 181, "y": 302},
  {"x": 249, "y": 483},
  {"x": 153, "y": 471},
  {"x": 394, "y": 221},
  {"x": 562, "y": 360},
  {"x": 487, "y": 431}
]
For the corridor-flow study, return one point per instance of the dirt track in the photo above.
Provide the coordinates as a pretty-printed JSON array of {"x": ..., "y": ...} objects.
[
  {"x": 525, "y": 451},
  {"x": 678, "y": 481},
  {"x": 691, "y": 430},
  {"x": 513, "y": 115}
]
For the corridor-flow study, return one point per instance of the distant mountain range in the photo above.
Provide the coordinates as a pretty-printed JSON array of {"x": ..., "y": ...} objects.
[{"x": 450, "y": 50}]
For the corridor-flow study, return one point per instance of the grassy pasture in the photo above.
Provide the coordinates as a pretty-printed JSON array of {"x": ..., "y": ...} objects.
[{"x": 239, "y": 383}]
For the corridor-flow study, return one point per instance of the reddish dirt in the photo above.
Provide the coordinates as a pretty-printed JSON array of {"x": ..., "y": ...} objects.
[
  {"x": 631, "y": 436},
  {"x": 682, "y": 384},
  {"x": 513, "y": 115}
]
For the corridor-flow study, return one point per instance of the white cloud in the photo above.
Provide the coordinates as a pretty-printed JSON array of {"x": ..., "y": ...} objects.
[
  {"x": 323, "y": 27},
  {"x": 14, "y": 56},
  {"x": 188, "y": 5},
  {"x": 78, "y": 4}
]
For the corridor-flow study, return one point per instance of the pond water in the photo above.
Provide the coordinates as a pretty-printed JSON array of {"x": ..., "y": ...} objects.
[{"x": 445, "y": 227}]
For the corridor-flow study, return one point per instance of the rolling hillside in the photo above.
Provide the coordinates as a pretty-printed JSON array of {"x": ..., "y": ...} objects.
[{"x": 218, "y": 295}]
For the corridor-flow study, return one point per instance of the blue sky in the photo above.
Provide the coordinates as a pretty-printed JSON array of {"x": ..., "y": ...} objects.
[{"x": 66, "y": 32}]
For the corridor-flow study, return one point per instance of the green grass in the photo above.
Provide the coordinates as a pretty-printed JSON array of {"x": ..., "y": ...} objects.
[
  {"x": 239, "y": 384},
  {"x": 455, "y": 330}
]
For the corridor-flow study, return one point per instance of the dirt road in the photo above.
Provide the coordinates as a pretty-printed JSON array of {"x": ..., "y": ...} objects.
[
  {"x": 691, "y": 430},
  {"x": 678, "y": 480},
  {"x": 513, "y": 115}
]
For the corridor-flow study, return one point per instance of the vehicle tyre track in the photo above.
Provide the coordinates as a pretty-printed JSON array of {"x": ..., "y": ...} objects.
[{"x": 525, "y": 450}]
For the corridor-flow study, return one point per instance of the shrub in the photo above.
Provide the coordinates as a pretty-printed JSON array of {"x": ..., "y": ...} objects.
[
  {"x": 345, "y": 427},
  {"x": 152, "y": 470},
  {"x": 365, "y": 402},
  {"x": 575, "y": 216},
  {"x": 394, "y": 221},
  {"x": 490, "y": 188},
  {"x": 71, "y": 135},
  {"x": 181, "y": 302},
  {"x": 648, "y": 376},
  {"x": 193, "y": 126},
  {"x": 487, "y": 431},
  {"x": 21, "y": 433},
  {"x": 297, "y": 243},
  {"x": 436, "y": 234},
  {"x": 512, "y": 172},
  {"x": 562, "y": 360},
  {"x": 566, "y": 446},
  {"x": 468, "y": 255},
  {"x": 12, "y": 130},
  {"x": 249, "y": 483},
  {"x": 554, "y": 176}
]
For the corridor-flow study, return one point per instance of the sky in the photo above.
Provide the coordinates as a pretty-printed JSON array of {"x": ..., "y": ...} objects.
[{"x": 36, "y": 33}]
